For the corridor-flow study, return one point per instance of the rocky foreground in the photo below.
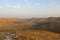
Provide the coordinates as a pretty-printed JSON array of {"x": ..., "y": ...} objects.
[{"x": 29, "y": 35}]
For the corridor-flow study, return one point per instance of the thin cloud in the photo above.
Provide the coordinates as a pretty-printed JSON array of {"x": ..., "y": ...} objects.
[
  {"x": 17, "y": 6},
  {"x": 37, "y": 4},
  {"x": 12, "y": 6}
]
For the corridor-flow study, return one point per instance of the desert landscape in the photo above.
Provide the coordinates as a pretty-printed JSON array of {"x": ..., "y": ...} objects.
[
  {"x": 29, "y": 19},
  {"x": 30, "y": 29}
]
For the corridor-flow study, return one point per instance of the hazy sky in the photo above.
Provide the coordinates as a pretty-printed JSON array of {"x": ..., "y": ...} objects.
[{"x": 29, "y": 8}]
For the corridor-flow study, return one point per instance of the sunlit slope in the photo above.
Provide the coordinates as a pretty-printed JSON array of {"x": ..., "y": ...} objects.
[{"x": 9, "y": 23}]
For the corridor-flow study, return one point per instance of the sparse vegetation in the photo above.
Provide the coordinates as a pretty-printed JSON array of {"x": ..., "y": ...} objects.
[{"x": 30, "y": 29}]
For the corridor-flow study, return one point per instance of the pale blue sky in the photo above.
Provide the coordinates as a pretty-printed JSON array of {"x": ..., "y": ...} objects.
[{"x": 29, "y": 8}]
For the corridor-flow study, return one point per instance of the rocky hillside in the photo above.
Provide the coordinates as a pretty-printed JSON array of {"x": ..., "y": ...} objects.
[
  {"x": 30, "y": 29},
  {"x": 49, "y": 24}
]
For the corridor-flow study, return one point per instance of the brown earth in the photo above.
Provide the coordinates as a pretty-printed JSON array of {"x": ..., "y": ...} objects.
[{"x": 31, "y": 29}]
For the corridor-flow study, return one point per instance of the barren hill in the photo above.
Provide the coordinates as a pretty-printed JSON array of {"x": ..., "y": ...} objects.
[
  {"x": 30, "y": 29},
  {"x": 49, "y": 24},
  {"x": 9, "y": 23}
]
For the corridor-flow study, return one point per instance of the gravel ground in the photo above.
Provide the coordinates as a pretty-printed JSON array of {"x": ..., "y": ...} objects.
[{"x": 29, "y": 35}]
